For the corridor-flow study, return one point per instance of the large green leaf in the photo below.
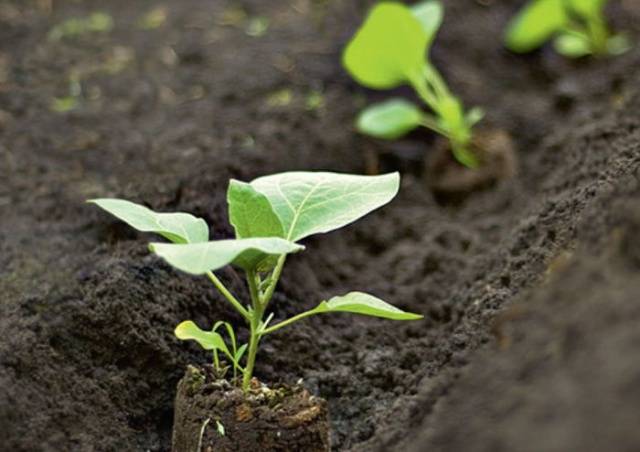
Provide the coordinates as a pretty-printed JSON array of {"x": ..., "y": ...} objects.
[
  {"x": 209, "y": 340},
  {"x": 430, "y": 14},
  {"x": 390, "y": 119},
  {"x": 251, "y": 213},
  {"x": 389, "y": 48},
  {"x": 535, "y": 24},
  {"x": 316, "y": 202},
  {"x": 364, "y": 304},
  {"x": 176, "y": 227},
  {"x": 199, "y": 258}
]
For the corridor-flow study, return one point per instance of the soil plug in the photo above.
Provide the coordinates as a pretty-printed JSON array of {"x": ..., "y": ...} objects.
[
  {"x": 391, "y": 49},
  {"x": 578, "y": 28},
  {"x": 270, "y": 216}
]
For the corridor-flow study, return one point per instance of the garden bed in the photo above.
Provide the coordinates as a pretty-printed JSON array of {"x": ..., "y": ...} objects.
[{"x": 529, "y": 288}]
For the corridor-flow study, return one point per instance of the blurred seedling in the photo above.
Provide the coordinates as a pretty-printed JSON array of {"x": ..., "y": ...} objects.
[
  {"x": 391, "y": 49},
  {"x": 577, "y": 27},
  {"x": 97, "y": 22}
]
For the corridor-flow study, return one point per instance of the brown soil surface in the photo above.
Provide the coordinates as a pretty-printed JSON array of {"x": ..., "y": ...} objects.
[{"x": 529, "y": 289}]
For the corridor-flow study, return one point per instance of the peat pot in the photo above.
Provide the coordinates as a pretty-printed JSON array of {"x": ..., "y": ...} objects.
[{"x": 212, "y": 415}]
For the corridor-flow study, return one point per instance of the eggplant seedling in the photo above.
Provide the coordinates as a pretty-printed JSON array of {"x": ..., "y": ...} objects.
[
  {"x": 270, "y": 215},
  {"x": 578, "y": 28},
  {"x": 391, "y": 49}
]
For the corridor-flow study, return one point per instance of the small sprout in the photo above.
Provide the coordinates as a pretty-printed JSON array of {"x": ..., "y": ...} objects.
[
  {"x": 97, "y": 22},
  {"x": 578, "y": 28},
  {"x": 280, "y": 98},
  {"x": 314, "y": 100},
  {"x": 220, "y": 428},
  {"x": 391, "y": 49},
  {"x": 257, "y": 26},
  {"x": 64, "y": 104},
  {"x": 269, "y": 215},
  {"x": 71, "y": 101},
  {"x": 155, "y": 18}
]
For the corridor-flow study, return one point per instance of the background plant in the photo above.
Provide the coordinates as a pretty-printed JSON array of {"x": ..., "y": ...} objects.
[
  {"x": 577, "y": 27},
  {"x": 391, "y": 49},
  {"x": 269, "y": 215}
]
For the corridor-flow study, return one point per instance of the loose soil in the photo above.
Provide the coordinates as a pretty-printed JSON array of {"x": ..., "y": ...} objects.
[{"x": 529, "y": 288}]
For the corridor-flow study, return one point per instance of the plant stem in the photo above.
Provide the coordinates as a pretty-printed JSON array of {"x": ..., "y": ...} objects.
[
  {"x": 254, "y": 325},
  {"x": 288, "y": 321},
  {"x": 233, "y": 300},
  {"x": 275, "y": 276}
]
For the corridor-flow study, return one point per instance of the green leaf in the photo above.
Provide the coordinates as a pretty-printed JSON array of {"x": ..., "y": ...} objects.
[
  {"x": 587, "y": 8},
  {"x": 316, "y": 202},
  {"x": 389, "y": 120},
  {"x": 199, "y": 258},
  {"x": 240, "y": 352},
  {"x": 430, "y": 14},
  {"x": 251, "y": 213},
  {"x": 364, "y": 304},
  {"x": 176, "y": 227},
  {"x": 618, "y": 44},
  {"x": 535, "y": 24},
  {"x": 209, "y": 340},
  {"x": 474, "y": 116},
  {"x": 572, "y": 45},
  {"x": 389, "y": 48}
]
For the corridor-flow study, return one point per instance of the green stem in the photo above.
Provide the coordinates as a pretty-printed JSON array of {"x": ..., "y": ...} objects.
[
  {"x": 275, "y": 276},
  {"x": 254, "y": 325},
  {"x": 288, "y": 321},
  {"x": 233, "y": 300}
]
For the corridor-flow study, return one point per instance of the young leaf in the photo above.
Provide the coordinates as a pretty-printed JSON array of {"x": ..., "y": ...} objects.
[
  {"x": 364, "y": 304},
  {"x": 251, "y": 213},
  {"x": 176, "y": 227},
  {"x": 199, "y": 258},
  {"x": 388, "y": 49},
  {"x": 572, "y": 45},
  {"x": 618, "y": 44},
  {"x": 208, "y": 340},
  {"x": 316, "y": 202},
  {"x": 536, "y": 23},
  {"x": 429, "y": 13},
  {"x": 389, "y": 120},
  {"x": 474, "y": 115}
]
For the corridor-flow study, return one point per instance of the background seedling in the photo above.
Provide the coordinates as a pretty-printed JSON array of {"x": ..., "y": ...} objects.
[
  {"x": 578, "y": 28},
  {"x": 391, "y": 49},
  {"x": 269, "y": 215}
]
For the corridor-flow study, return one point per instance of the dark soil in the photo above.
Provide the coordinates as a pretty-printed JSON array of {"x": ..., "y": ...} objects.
[
  {"x": 529, "y": 288},
  {"x": 265, "y": 418}
]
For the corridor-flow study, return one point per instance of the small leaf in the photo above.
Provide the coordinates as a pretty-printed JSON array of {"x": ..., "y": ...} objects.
[
  {"x": 474, "y": 116},
  {"x": 310, "y": 203},
  {"x": 208, "y": 340},
  {"x": 251, "y": 213},
  {"x": 364, "y": 304},
  {"x": 535, "y": 24},
  {"x": 176, "y": 227},
  {"x": 430, "y": 14},
  {"x": 219, "y": 428},
  {"x": 389, "y": 120},
  {"x": 199, "y": 258},
  {"x": 240, "y": 353},
  {"x": 618, "y": 44},
  {"x": 572, "y": 45},
  {"x": 389, "y": 48}
]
